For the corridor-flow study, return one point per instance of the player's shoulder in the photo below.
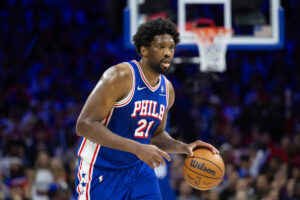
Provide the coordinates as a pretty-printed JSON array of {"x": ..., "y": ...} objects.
[
  {"x": 117, "y": 79},
  {"x": 119, "y": 72}
]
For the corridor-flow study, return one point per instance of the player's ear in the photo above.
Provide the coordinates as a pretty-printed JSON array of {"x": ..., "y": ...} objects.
[{"x": 144, "y": 51}]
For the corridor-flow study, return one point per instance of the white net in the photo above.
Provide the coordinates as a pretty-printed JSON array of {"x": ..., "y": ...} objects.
[{"x": 212, "y": 45}]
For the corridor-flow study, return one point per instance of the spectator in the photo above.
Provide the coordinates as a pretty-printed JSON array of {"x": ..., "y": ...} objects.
[
  {"x": 43, "y": 177},
  {"x": 186, "y": 191}
]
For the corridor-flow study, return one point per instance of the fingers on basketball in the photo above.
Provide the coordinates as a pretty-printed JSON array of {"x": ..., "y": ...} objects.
[{"x": 208, "y": 146}]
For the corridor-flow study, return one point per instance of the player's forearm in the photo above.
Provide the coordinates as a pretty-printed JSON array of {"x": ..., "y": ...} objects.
[
  {"x": 168, "y": 144},
  {"x": 96, "y": 132}
]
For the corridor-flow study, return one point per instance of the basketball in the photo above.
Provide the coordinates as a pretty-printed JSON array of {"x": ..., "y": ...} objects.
[{"x": 204, "y": 170}]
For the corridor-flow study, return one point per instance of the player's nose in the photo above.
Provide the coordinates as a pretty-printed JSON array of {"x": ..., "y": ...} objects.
[{"x": 167, "y": 53}]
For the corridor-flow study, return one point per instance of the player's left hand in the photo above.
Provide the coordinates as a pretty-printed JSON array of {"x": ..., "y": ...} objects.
[{"x": 199, "y": 144}]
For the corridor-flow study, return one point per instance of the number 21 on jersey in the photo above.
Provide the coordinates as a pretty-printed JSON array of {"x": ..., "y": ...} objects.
[{"x": 143, "y": 130}]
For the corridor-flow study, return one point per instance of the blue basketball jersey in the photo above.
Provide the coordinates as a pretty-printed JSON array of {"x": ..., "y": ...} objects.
[{"x": 135, "y": 117}]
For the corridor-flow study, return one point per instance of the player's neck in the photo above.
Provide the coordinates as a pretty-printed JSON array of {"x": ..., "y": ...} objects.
[{"x": 151, "y": 76}]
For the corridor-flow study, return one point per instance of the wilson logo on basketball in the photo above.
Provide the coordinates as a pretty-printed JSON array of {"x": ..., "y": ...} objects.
[{"x": 202, "y": 167}]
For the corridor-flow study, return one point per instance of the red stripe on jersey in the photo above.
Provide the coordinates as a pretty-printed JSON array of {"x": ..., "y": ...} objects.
[
  {"x": 90, "y": 172},
  {"x": 107, "y": 118},
  {"x": 167, "y": 91},
  {"x": 79, "y": 177},
  {"x": 145, "y": 80},
  {"x": 82, "y": 146},
  {"x": 94, "y": 156}
]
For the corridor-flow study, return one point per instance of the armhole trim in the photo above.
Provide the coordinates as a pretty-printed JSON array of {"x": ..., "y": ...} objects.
[
  {"x": 128, "y": 98},
  {"x": 167, "y": 90}
]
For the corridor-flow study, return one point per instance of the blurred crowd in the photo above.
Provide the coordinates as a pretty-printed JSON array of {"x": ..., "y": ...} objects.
[{"x": 52, "y": 54}]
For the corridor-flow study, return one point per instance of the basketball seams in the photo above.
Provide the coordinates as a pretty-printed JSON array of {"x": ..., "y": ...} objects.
[
  {"x": 210, "y": 162},
  {"x": 201, "y": 187},
  {"x": 200, "y": 174}
]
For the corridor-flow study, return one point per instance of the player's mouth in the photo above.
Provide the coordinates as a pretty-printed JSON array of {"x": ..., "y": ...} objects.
[{"x": 166, "y": 63}]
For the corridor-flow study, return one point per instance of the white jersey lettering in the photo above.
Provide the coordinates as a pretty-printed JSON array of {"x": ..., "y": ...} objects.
[
  {"x": 137, "y": 107},
  {"x": 144, "y": 109},
  {"x": 147, "y": 108},
  {"x": 161, "y": 112},
  {"x": 154, "y": 114}
]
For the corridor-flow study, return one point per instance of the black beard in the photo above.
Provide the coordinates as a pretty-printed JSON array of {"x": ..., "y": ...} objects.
[{"x": 158, "y": 69}]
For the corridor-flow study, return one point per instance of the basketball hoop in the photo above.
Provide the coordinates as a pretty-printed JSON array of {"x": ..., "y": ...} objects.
[{"x": 212, "y": 45}]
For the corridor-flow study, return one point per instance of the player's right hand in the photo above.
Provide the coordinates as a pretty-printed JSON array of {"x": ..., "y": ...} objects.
[{"x": 152, "y": 155}]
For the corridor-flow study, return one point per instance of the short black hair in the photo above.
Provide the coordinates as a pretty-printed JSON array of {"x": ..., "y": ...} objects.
[{"x": 147, "y": 31}]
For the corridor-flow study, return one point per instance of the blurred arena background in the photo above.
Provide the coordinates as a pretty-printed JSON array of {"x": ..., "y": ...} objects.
[{"x": 53, "y": 52}]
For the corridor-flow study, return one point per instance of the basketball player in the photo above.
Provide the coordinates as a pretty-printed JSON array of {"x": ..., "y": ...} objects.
[{"x": 123, "y": 121}]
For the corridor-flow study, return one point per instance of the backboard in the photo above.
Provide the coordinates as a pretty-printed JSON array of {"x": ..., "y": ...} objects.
[{"x": 257, "y": 24}]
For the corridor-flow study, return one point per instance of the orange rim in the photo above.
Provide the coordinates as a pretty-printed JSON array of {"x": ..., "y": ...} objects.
[{"x": 207, "y": 34}]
